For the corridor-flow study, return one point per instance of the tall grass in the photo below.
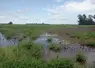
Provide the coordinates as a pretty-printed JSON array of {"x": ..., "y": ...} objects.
[{"x": 23, "y": 57}]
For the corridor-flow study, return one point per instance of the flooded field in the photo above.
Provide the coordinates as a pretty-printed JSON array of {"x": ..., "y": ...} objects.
[
  {"x": 48, "y": 44},
  {"x": 67, "y": 51}
]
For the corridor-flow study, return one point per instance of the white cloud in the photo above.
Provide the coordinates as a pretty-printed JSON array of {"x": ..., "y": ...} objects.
[
  {"x": 71, "y": 9},
  {"x": 86, "y": 5}
]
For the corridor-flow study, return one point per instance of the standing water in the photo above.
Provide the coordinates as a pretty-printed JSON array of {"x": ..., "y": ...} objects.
[
  {"x": 5, "y": 42},
  {"x": 68, "y": 51},
  {"x": 43, "y": 39}
]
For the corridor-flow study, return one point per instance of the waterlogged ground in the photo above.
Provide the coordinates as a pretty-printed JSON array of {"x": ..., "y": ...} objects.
[{"x": 68, "y": 50}]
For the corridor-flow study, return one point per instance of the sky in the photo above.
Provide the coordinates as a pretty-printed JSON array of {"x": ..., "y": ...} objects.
[{"x": 46, "y": 11}]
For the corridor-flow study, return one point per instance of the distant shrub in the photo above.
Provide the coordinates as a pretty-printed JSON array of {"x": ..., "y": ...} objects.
[
  {"x": 80, "y": 58},
  {"x": 54, "y": 47},
  {"x": 10, "y": 23}
]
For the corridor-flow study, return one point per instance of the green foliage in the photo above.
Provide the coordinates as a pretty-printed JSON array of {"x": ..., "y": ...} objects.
[
  {"x": 54, "y": 47},
  {"x": 22, "y": 64},
  {"x": 60, "y": 63},
  {"x": 80, "y": 58},
  {"x": 33, "y": 63}
]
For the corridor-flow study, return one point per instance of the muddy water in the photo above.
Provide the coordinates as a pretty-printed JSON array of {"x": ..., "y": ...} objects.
[{"x": 5, "y": 42}]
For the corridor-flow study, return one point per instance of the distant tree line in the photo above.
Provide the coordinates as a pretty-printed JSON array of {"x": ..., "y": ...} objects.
[{"x": 86, "y": 20}]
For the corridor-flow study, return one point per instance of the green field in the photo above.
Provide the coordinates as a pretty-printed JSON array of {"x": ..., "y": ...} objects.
[{"x": 29, "y": 55}]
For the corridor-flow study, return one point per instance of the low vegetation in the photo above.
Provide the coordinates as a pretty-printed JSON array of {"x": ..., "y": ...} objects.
[
  {"x": 83, "y": 35},
  {"x": 54, "y": 47}
]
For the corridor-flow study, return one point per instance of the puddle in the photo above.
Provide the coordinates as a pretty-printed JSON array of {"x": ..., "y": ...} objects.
[
  {"x": 42, "y": 39},
  {"x": 5, "y": 42}
]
